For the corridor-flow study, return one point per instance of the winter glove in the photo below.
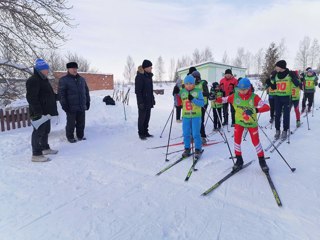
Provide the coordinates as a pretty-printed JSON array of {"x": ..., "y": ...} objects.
[
  {"x": 88, "y": 105},
  {"x": 190, "y": 97},
  {"x": 141, "y": 106},
  {"x": 65, "y": 108},
  {"x": 212, "y": 96},
  {"x": 37, "y": 117},
  {"x": 257, "y": 110},
  {"x": 268, "y": 82},
  {"x": 248, "y": 112}
]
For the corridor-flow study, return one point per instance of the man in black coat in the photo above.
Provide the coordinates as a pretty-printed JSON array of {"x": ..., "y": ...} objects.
[
  {"x": 42, "y": 105},
  {"x": 145, "y": 98},
  {"x": 75, "y": 100}
]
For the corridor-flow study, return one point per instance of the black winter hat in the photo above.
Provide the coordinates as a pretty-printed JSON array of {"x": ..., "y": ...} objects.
[
  {"x": 308, "y": 69},
  {"x": 191, "y": 70},
  {"x": 228, "y": 71},
  {"x": 281, "y": 64},
  {"x": 146, "y": 63},
  {"x": 72, "y": 65}
]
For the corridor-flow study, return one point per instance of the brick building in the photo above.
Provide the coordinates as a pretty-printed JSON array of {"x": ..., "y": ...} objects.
[{"x": 95, "y": 81}]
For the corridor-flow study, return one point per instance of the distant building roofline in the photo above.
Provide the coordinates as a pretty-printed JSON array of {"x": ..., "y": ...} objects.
[
  {"x": 85, "y": 72},
  {"x": 208, "y": 62}
]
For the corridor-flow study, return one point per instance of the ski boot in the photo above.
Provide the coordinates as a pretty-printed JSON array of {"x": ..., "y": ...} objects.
[
  {"x": 263, "y": 164},
  {"x": 309, "y": 109},
  {"x": 298, "y": 123},
  {"x": 271, "y": 120},
  {"x": 284, "y": 134},
  {"x": 203, "y": 140},
  {"x": 40, "y": 158},
  {"x": 49, "y": 151},
  {"x": 197, "y": 153},
  {"x": 277, "y": 135},
  {"x": 239, "y": 163},
  {"x": 186, "y": 152}
]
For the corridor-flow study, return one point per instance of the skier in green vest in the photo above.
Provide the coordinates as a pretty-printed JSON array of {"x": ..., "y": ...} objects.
[
  {"x": 246, "y": 105},
  {"x": 203, "y": 86},
  {"x": 310, "y": 81}
]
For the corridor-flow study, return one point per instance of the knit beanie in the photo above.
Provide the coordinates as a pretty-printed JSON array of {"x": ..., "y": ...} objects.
[
  {"x": 228, "y": 71},
  {"x": 196, "y": 74},
  {"x": 281, "y": 64},
  {"x": 72, "y": 65},
  {"x": 146, "y": 63},
  {"x": 244, "y": 83},
  {"x": 191, "y": 70},
  {"x": 41, "y": 64},
  {"x": 189, "y": 79}
]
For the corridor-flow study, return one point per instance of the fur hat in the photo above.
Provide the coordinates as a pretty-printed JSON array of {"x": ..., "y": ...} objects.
[
  {"x": 191, "y": 70},
  {"x": 72, "y": 65}
]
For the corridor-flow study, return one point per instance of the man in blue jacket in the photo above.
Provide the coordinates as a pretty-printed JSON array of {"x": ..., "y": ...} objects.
[{"x": 75, "y": 100}]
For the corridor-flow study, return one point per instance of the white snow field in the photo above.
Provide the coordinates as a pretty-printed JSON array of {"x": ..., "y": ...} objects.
[{"x": 105, "y": 187}]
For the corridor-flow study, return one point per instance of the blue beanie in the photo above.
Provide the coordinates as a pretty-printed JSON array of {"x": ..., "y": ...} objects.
[
  {"x": 41, "y": 64},
  {"x": 189, "y": 79},
  {"x": 244, "y": 83}
]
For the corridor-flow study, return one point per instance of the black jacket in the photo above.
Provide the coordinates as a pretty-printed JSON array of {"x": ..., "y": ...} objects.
[
  {"x": 40, "y": 96},
  {"x": 144, "y": 89},
  {"x": 73, "y": 93}
]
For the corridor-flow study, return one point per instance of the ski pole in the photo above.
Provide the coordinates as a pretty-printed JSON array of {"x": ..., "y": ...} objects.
[
  {"x": 292, "y": 169},
  {"x": 167, "y": 122},
  {"x": 169, "y": 135},
  {"x": 208, "y": 117},
  {"x": 225, "y": 137}
]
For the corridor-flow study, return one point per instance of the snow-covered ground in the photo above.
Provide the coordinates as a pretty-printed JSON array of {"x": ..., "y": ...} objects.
[{"x": 106, "y": 188}]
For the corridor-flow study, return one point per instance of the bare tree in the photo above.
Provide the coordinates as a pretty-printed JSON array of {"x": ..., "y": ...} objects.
[
  {"x": 225, "y": 58},
  {"x": 172, "y": 69},
  {"x": 185, "y": 61},
  {"x": 206, "y": 55},
  {"x": 314, "y": 53},
  {"x": 303, "y": 55},
  {"x": 83, "y": 64},
  {"x": 271, "y": 57},
  {"x": 159, "y": 67},
  {"x": 238, "y": 61},
  {"x": 55, "y": 61},
  {"x": 282, "y": 49},
  {"x": 196, "y": 56},
  {"x": 258, "y": 59},
  {"x": 247, "y": 61},
  {"x": 129, "y": 69},
  {"x": 27, "y": 27}
]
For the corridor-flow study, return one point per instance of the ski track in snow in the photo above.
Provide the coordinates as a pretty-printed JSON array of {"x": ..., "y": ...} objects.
[{"x": 106, "y": 188}]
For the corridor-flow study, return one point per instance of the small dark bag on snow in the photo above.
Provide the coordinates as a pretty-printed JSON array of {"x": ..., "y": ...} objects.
[{"x": 109, "y": 100}]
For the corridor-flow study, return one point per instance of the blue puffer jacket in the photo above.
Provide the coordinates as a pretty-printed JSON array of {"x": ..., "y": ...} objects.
[{"x": 73, "y": 93}]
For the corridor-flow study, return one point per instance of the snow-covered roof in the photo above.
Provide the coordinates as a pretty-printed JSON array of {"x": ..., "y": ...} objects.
[{"x": 210, "y": 62}]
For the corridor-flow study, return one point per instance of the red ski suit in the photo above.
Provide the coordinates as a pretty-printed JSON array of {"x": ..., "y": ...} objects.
[{"x": 261, "y": 106}]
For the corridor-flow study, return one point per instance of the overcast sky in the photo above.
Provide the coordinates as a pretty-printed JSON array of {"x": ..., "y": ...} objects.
[{"x": 110, "y": 30}]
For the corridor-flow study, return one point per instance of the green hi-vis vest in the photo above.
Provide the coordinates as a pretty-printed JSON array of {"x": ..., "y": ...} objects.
[
  {"x": 240, "y": 107},
  {"x": 296, "y": 92},
  {"x": 200, "y": 86},
  {"x": 214, "y": 104},
  {"x": 284, "y": 86},
  {"x": 189, "y": 109},
  {"x": 310, "y": 82}
]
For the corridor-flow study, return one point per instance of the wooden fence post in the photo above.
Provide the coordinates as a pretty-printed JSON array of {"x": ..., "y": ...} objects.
[{"x": 2, "y": 120}]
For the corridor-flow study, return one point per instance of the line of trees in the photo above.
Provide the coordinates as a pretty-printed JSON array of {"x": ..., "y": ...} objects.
[{"x": 260, "y": 63}]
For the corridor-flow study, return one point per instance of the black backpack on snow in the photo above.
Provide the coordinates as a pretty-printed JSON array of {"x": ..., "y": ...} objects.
[{"x": 109, "y": 100}]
